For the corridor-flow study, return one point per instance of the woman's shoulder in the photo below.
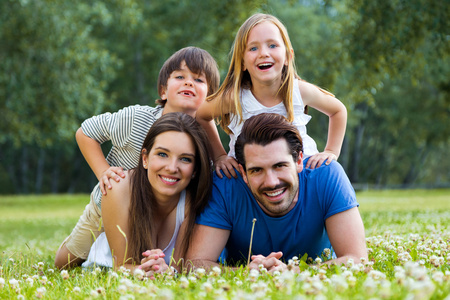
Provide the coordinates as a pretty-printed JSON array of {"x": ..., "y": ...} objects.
[{"x": 120, "y": 189}]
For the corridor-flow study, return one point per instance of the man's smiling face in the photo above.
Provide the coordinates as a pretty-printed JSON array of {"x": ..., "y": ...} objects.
[{"x": 272, "y": 176}]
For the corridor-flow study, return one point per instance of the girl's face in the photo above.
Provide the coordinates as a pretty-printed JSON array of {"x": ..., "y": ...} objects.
[
  {"x": 265, "y": 54},
  {"x": 170, "y": 165}
]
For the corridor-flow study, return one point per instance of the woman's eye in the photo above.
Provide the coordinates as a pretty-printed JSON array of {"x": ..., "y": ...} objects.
[
  {"x": 162, "y": 154},
  {"x": 186, "y": 159}
]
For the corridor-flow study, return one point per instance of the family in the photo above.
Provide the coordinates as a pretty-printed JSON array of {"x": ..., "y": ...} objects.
[{"x": 170, "y": 198}]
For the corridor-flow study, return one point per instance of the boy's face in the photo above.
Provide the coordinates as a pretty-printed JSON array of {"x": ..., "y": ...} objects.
[{"x": 185, "y": 91}]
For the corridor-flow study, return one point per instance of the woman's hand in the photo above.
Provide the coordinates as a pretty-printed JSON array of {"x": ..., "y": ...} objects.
[
  {"x": 271, "y": 262},
  {"x": 153, "y": 263}
]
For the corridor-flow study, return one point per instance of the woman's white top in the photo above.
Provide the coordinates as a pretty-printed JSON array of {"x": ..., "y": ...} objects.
[
  {"x": 100, "y": 253},
  {"x": 252, "y": 107}
]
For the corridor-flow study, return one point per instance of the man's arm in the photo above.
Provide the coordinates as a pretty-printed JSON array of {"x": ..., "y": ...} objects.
[
  {"x": 207, "y": 244},
  {"x": 347, "y": 237}
]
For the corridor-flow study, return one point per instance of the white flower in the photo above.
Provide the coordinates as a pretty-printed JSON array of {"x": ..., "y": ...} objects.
[
  {"x": 76, "y": 290},
  {"x": 318, "y": 260},
  {"x": 65, "y": 274},
  {"x": 13, "y": 283},
  {"x": 139, "y": 273},
  {"x": 184, "y": 282},
  {"x": 40, "y": 292},
  {"x": 200, "y": 272},
  {"x": 216, "y": 271},
  {"x": 29, "y": 281},
  {"x": 207, "y": 287},
  {"x": 2, "y": 283}
]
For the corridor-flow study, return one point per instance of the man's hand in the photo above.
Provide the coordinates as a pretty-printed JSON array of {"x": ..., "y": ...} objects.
[
  {"x": 272, "y": 262},
  {"x": 114, "y": 173}
]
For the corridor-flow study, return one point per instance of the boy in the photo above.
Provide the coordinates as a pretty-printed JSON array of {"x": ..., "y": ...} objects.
[{"x": 184, "y": 82}]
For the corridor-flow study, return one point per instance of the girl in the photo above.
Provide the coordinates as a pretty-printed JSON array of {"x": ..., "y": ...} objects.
[
  {"x": 262, "y": 79},
  {"x": 155, "y": 207}
]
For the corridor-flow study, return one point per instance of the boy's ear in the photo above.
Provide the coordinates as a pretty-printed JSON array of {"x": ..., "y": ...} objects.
[{"x": 163, "y": 93}]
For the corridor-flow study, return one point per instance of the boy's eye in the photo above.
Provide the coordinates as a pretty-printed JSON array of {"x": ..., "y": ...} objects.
[
  {"x": 179, "y": 77},
  {"x": 199, "y": 80}
]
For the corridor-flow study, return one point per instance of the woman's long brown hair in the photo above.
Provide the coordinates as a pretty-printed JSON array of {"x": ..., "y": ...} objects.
[{"x": 143, "y": 202}]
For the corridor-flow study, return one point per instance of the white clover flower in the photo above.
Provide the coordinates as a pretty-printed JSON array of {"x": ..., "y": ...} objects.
[
  {"x": 339, "y": 283},
  {"x": 207, "y": 287},
  {"x": 438, "y": 276},
  {"x": 318, "y": 260},
  {"x": 40, "y": 265},
  {"x": 76, "y": 290},
  {"x": 113, "y": 274},
  {"x": 11, "y": 260},
  {"x": 51, "y": 271},
  {"x": 20, "y": 297},
  {"x": 121, "y": 289},
  {"x": 192, "y": 278},
  {"x": 184, "y": 282},
  {"x": 216, "y": 271},
  {"x": 40, "y": 292},
  {"x": 29, "y": 281},
  {"x": 13, "y": 283},
  {"x": 2, "y": 283},
  {"x": 94, "y": 294},
  {"x": 253, "y": 275},
  {"x": 327, "y": 252},
  {"x": 65, "y": 274},
  {"x": 200, "y": 272},
  {"x": 370, "y": 286},
  {"x": 139, "y": 273}
]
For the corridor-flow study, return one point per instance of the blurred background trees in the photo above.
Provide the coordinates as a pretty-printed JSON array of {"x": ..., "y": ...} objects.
[{"x": 64, "y": 61}]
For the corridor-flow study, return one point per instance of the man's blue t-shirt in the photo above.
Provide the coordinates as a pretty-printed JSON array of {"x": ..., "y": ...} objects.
[{"x": 323, "y": 192}]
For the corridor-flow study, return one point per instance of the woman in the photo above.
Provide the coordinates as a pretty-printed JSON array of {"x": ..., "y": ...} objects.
[{"x": 155, "y": 206}]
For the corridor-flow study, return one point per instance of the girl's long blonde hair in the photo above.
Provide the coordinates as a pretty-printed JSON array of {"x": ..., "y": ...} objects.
[{"x": 229, "y": 92}]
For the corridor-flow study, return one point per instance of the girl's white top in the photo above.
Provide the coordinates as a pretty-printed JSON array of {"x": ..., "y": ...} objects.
[
  {"x": 251, "y": 107},
  {"x": 100, "y": 253}
]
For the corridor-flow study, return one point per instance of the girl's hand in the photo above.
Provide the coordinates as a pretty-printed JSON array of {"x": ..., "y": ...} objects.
[
  {"x": 112, "y": 172},
  {"x": 317, "y": 160},
  {"x": 153, "y": 262},
  {"x": 227, "y": 164}
]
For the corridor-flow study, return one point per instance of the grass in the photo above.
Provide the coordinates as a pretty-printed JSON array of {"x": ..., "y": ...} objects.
[{"x": 407, "y": 233}]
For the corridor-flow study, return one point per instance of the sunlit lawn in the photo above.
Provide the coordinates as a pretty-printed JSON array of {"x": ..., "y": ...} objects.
[{"x": 407, "y": 235}]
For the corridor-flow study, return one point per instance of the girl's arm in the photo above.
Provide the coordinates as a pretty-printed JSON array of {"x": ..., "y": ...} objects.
[
  {"x": 115, "y": 212},
  {"x": 205, "y": 117},
  {"x": 337, "y": 114}
]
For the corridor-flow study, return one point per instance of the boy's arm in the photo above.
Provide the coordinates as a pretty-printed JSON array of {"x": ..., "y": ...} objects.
[
  {"x": 93, "y": 154},
  {"x": 337, "y": 114},
  {"x": 205, "y": 117}
]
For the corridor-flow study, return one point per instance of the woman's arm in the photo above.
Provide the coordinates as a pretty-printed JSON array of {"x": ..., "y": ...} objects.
[{"x": 115, "y": 213}]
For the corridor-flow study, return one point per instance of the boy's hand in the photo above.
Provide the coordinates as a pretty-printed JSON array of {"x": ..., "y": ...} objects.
[
  {"x": 317, "y": 160},
  {"x": 153, "y": 262},
  {"x": 227, "y": 164},
  {"x": 271, "y": 262},
  {"x": 112, "y": 172}
]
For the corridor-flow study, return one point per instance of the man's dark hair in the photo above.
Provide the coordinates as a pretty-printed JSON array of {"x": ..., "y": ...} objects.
[{"x": 264, "y": 129}]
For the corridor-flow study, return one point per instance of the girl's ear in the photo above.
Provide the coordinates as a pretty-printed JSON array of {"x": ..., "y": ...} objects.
[{"x": 291, "y": 54}]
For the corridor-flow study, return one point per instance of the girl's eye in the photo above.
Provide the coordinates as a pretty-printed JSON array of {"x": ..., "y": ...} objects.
[
  {"x": 253, "y": 49},
  {"x": 272, "y": 46}
]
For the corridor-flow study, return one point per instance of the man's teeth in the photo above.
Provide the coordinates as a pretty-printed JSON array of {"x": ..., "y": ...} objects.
[
  {"x": 273, "y": 194},
  {"x": 169, "y": 179}
]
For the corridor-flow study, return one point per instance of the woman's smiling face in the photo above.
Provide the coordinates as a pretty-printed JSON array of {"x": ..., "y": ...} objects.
[{"x": 170, "y": 164}]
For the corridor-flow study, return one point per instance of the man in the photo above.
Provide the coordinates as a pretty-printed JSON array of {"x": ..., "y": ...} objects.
[{"x": 297, "y": 211}]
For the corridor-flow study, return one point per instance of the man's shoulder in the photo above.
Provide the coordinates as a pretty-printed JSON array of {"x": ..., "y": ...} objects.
[{"x": 228, "y": 185}]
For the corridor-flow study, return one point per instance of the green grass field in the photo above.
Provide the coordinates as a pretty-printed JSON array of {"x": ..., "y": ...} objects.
[{"x": 407, "y": 233}]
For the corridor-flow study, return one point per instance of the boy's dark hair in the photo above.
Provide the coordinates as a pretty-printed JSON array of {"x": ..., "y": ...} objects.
[
  {"x": 198, "y": 61},
  {"x": 264, "y": 129}
]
